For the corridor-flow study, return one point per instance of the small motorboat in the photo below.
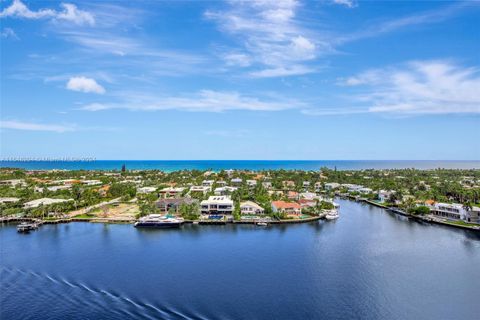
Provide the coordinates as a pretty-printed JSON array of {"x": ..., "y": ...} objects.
[{"x": 262, "y": 224}]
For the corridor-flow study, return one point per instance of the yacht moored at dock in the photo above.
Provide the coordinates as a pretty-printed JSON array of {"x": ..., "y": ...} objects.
[
  {"x": 159, "y": 221},
  {"x": 332, "y": 214},
  {"x": 26, "y": 227}
]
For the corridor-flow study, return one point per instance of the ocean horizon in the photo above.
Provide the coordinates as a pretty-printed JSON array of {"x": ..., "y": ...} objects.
[{"x": 255, "y": 165}]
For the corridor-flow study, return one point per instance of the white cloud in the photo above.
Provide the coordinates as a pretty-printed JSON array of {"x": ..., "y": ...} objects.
[
  {"x": 202, "y": 101},
  {"x": 9, "y": 33},
  {"x": 292, "y": 70},
  {"x": 420, "y": 87},
  {"x": 269, "y": 35},
  {"x": 346, "y": 3},
  {"x": 84, "y": 84},
  {"x": 72, "y": 14},
  {"x": 387, "y": 26},
  {"x": 30, "y": 126},
  {"x": 69, "y": 13}
]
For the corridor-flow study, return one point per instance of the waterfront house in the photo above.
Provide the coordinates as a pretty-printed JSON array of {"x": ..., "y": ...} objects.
[
  {"x": 250, "y": 208},
  {"x": 289, "y": 208},
  {"x": 217, "y": 205},
  {"x": 365, "y": 190},
  {"x": 384, "y": 195},
  {"x": 43, "y": 202},
  {"x": 455, "y": 211},
  {"x": 173, "y": 204},
  {"x": 304, "y": 203}
]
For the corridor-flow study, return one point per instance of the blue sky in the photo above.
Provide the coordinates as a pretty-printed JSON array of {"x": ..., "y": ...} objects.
[{"x": 291, "y": 79}]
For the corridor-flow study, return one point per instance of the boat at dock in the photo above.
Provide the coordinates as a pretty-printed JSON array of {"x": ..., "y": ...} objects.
[
  {"x": 159, "y": 221},
  {"x": 26, "y": 227},
  {"x": 262, "y": 224},
  {"x": 332, "y": 214}
]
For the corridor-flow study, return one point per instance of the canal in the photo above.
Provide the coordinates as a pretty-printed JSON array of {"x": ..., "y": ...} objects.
[{"x": 368, "y": 264}]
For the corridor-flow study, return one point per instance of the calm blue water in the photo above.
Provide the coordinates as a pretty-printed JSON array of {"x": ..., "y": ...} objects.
[
  {"x": 174, "y": 165},
  {"x": 369, "y": 264}
]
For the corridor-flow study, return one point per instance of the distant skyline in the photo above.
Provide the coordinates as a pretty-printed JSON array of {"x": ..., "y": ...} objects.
[{"x": 240, "y": 80}]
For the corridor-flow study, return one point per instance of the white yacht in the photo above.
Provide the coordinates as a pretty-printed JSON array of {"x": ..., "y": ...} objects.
[
  {"x": 159, "y": 221},
  {"x": 332, "y": 214}
]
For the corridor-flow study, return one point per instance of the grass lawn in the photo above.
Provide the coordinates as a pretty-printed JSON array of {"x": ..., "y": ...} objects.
[
  {"x": 84, "y": 216},
  {"x": 462, "y": 223}
]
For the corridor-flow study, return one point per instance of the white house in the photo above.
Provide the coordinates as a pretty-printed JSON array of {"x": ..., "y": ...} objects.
[
  {"x": 146, "y": 190},
  {"x": 331, "y": 185},
  {"x": 455, "y": 211},
  {"x": 267, "y": 184},
  {"x": 61, "y": 187},
  {"x": 217, "y": 205},
  {"x": 365, "y": 190},
  {"x": 250, "y": 208},
  {"x": 43, "y": 202},
  {"x": 236, "y": 181},
  {"x": 202, "y": 189},
  {"x": 384, "y": 196},
  {"x": 13, "y": 182},
  {"x": 9, "y": 200},
  {"x": 251, "y": 183},
  {"x": 91, "y": 182},
  {"x": 222, "y": 191},
  {"x": 207, "y": 183}
]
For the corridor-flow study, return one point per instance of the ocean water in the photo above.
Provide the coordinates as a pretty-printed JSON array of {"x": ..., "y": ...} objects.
[
  {"x": 217, "y": 165},
  {"x": 368, "y": 264}
]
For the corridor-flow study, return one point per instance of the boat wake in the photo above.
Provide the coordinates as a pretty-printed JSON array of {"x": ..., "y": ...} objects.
[{"x": 123, "y": 306}]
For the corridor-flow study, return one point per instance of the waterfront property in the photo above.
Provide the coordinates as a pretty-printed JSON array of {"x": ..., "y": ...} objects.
[
  {"x": 173, "y": 204},
  {"x": 217, "y": 205},
  {"x": 455, "y": 211},
  {"x": 288, "y": 208},
  {"x": 251, "y": 208},
  {"x": 43, "y": 202}
]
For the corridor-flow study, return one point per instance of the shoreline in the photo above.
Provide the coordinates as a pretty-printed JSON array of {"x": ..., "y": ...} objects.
[
  {"x": 420, "y": 218},
  {"x": 131, "y": 221}
]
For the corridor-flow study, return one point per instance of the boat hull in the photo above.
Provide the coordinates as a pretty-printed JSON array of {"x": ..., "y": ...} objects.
[{"x": 158, "y": 225}]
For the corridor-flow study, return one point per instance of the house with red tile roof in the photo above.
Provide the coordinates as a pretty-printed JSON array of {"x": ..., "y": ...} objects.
[{"x": 286, "y": 207}]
